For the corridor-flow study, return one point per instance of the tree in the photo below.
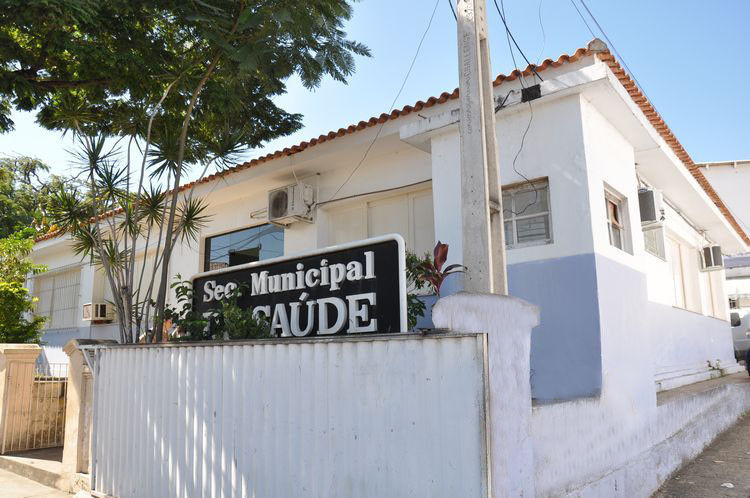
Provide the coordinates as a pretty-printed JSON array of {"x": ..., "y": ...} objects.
[
  {"x": 188, "y": 82},
  {"x": 25, "y": 194},
  {"x": 15, "y": 265},
  {"x": 15, "y": 302}
]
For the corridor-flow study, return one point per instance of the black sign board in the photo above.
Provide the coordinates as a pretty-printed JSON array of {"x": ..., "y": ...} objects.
[{"x": 352, "y": 288}]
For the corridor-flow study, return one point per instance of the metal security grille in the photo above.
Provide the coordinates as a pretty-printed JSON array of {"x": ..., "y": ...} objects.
[
  {"x": 58, "y": 298},
  {"x": 35, "y": 415}
]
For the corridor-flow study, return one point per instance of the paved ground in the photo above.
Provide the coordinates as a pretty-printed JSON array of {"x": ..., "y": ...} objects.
[
  {"x": 14, "y": 486},
  {"x": 722, "y": 470}
]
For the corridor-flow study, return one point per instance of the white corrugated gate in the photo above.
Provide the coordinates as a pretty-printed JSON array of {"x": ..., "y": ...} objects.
[{"x": 399, "y": 416}]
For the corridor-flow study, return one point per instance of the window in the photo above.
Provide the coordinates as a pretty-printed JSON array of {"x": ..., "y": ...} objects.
[
  {"x": 57, "y": 295},
  {"x": 243, "y": 246},
  {"x": 526, "y": 214},
  {"x": 615, "y": 220}
]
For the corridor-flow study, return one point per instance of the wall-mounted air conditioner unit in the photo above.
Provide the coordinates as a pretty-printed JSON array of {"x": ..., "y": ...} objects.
[
  {"x": 98, "y": 312},
  {"x": 711, "y": 258},
  {"x": 651, "y": 203},
  {"x": 291, "y": 203}
]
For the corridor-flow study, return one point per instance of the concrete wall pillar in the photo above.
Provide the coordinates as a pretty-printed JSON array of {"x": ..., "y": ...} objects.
[
  {"x": 507, "y": 321},
  {"x": 446, "y": 200},
  {"x": 16, "y": 381},
  {"x": 78, "y": 409}
]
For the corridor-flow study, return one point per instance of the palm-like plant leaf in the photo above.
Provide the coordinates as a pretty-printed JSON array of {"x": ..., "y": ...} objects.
[
  {"x": 68, "y": 211},
  {"x": 191, "y": 219},
  {"x": 150, "y": 206}
]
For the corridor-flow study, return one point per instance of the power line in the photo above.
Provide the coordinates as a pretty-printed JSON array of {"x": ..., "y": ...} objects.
[
  {"x": 403, "y": 84},
  {"x": 583, "y": 19},
  {"x": 453, "y": 11},
  {"x": 510, "y": 35},
  {"x": 614, "y": 49},
  {"x": 544, "y": 33}
]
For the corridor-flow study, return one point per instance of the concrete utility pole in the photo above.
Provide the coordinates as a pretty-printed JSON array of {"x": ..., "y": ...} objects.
[{"x": 481, "y": 200}]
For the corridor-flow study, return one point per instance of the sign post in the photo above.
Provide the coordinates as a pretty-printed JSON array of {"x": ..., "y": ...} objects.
[
  {"x": 483, "y": 233},
  {"x": 352, "y": 288}
]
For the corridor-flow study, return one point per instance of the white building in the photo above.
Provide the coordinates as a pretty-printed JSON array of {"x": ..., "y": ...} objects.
[
  {"x": 612, "y": 293},
  {"x": 731, "y": 180}
]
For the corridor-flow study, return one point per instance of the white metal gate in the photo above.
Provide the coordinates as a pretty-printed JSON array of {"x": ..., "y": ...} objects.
[{"x": 35, "y": 415}]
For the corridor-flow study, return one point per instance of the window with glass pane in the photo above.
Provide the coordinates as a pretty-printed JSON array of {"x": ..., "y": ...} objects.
[
  {"x": 527, "y": 215},
  {"x": 614, "y": 221},
  {"x": 244, "y": 246}
]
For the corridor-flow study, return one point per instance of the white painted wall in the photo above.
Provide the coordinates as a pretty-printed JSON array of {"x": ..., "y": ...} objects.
[
  {"x": 731, "y": 182},
  {"x": 553, "y": 148}
]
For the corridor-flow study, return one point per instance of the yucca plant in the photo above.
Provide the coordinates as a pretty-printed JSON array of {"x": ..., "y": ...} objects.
[
  {"x": 114, "y": 227},
  {"x": 189, "y": 85}
]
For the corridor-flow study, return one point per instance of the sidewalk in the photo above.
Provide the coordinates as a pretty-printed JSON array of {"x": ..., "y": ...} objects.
[
  {"x": 15, "y": 486},
  {"x": 722, "y": 470}
]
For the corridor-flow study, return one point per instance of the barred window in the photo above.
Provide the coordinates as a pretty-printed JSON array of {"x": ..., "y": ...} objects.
[
  {"x": 57, "y": 294},
  {"x": 526, "y": 214}
]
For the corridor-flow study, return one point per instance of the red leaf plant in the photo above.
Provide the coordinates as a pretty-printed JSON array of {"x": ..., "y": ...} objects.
[{"x": 433, "y": 273}]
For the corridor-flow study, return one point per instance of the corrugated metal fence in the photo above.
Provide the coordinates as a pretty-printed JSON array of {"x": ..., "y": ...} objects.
[{"x": 399, "y": 416}]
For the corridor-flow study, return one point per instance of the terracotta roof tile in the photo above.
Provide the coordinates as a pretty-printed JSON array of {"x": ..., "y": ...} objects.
[
  {"x": 602, "y": 53},
  {"x": 658, "y": 123}
]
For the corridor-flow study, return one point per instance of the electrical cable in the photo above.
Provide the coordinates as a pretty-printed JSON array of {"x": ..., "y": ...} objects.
[
  {"x": 515, "y": 158},
  {"x": 374, "y": 192},
  {"x": 614, "y": 49},
  {"x": 403, "y": 84},
  {"x": 510, "y": 35},
  {"x": 583, "y": 19},
  {"x": 544, "y": 33},
  {"x": 453, "y": 11}
]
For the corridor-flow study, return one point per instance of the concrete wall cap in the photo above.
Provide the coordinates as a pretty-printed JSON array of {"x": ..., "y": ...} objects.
[
  {"x": 74, "y": 345},
  {"x": 18, "y": 349},
  {"x": 482, "y": 313}
]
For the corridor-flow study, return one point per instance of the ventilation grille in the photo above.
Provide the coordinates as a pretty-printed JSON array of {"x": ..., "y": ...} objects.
[{"x": 653, "y": 240}]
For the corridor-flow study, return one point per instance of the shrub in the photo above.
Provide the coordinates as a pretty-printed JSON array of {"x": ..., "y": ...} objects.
[
  {"x": 228, "y": 322},
  {"x": 14, "y": 303}
]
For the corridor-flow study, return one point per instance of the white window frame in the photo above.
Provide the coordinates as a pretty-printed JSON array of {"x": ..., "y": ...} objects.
[
  {"x": 512, "y": 190},
  {"x": 621, "y": 203}
]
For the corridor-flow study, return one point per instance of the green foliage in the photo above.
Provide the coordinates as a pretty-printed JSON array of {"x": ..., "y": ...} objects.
[
  {"x": 26, "y": 189},
  {"x": 101, "y": 67},
  {"x": 414, "y": 305},
  {"x": 228, "y": 322},
  {"x": 236, "y": 323},
  {"x": 414, "y": 309},
  {"x": 14, "y": 303},
  {"x": 192, "y": 83},
  {"x": 422, "y": 272},
  {"x": 15, "y": 264}
]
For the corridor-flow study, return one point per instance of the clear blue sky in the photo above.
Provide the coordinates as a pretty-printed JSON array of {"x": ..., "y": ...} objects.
[{"x": 689, "y": 55}]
